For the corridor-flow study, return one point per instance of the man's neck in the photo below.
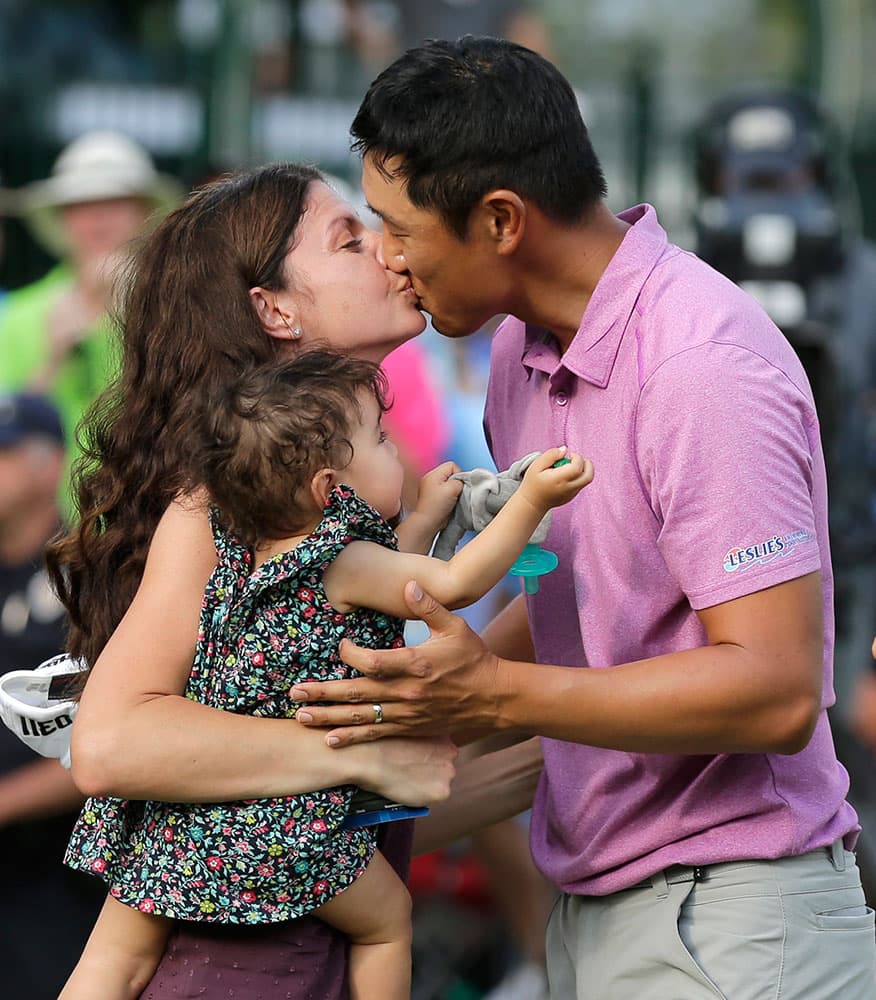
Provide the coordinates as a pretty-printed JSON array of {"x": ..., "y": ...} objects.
[{"x": 561, "y": 268}]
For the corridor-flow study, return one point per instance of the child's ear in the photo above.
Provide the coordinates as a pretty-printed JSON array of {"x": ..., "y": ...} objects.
[{"x": 322, "y": 483}]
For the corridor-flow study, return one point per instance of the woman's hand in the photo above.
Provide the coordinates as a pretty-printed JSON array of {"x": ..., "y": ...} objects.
[
  {"x": 413, "y": 771},
  {"x": 448, "y": 684}
]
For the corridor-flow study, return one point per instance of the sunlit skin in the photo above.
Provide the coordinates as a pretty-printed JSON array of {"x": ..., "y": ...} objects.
[
  {"x": 514, "y": 259},
  {"x": 338, "y": 291},
  {"x": 458, "y": 282},
  {"x": 375, "y": 472}
]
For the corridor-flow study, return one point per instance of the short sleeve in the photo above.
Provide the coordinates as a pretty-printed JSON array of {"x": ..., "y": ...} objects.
[{"x": 727, "y": 445}]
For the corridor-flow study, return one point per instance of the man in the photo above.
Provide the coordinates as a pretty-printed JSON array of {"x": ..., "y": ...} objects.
[
  {"x": 691, "y": 809},
  {"x": 55, "y": 334},
  {"x": 47, "y": 910}
]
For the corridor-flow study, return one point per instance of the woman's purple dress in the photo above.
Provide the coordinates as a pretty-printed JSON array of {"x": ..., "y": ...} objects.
[{"x": 302, "y": 959}]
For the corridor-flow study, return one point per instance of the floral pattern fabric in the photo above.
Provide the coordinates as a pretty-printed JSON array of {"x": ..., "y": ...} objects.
[{"x": 262, "y": 860}]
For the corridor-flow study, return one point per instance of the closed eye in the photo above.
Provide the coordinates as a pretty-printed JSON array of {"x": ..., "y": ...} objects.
[{"x": 352, "y": 244}]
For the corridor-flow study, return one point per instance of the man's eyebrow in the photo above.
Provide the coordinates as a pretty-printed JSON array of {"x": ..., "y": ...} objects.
[{"x": 382, "y": 216}]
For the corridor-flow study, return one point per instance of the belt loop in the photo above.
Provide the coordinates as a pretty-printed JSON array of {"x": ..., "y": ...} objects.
[
  {"x": 838, "y": 855},
  {"x": 659, "y": 884}
]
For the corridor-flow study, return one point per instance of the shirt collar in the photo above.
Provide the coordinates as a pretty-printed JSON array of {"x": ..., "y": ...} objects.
[{"x": 593, "y": 350}]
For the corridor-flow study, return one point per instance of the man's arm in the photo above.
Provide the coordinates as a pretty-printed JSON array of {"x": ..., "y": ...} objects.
[{"x": 754, "y": 687}]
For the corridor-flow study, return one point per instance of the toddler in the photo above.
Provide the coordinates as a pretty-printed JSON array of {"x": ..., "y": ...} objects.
[{"x": 303, "y": 487}]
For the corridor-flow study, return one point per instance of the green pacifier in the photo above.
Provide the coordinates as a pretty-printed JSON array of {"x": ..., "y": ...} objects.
[{"x": 534, "y": 561}]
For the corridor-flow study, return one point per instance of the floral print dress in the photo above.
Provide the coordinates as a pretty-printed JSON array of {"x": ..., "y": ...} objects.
[{"x": 262, "y": 860}]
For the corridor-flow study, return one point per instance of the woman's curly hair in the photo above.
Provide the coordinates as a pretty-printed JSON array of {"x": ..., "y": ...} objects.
[{"x": 187, "y": 330}]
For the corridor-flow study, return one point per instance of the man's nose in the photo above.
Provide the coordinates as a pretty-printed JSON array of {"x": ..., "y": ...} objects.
[{"x": 391, "y": 256}]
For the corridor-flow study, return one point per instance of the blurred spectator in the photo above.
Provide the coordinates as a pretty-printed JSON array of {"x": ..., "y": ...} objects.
[
  {"x": 55, "y": 335},
  {"x": 379, "y": 39},
  {"x": 47, "y": 910},
  {"x": 417, "y": 421}
]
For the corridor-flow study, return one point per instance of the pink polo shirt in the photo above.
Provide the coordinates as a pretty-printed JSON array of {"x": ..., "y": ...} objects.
[{"x": 709, "y": 485}]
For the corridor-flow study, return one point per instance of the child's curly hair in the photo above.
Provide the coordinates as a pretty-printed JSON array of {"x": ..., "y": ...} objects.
[{"x": 267, "y": 433}]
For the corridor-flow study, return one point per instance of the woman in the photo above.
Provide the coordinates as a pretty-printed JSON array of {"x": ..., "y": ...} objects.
[{"x": 251, "y": 268}]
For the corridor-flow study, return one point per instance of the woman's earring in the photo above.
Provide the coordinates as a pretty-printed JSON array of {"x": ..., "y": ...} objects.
[{"x": 294, "y": 331}]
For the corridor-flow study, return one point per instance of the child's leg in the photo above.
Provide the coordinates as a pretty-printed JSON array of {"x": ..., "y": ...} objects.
[
  {"x": 121, "y": 954},
  {"x": 375, "y": 913}
]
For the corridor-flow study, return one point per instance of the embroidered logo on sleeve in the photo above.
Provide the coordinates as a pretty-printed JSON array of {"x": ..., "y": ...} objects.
[{"x": 779, "y": 546}]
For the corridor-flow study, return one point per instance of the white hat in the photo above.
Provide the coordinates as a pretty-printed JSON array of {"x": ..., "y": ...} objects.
[
  {"x": 98, "y": 166},
  {"x": 38, "y": 705}
]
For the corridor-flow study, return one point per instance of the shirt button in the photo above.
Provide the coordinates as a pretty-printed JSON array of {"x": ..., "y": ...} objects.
[{"x": 562, "y": 399}]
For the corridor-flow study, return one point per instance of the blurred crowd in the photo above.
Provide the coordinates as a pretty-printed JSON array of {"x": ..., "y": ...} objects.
[{"x": 768, "y": 215}]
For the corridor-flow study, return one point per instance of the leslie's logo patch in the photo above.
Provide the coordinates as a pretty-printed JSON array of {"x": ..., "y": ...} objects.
[{"x": 743, "y": 558}]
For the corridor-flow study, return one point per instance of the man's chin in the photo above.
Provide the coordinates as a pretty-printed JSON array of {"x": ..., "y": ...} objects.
[{"x": 447, "y": 328}]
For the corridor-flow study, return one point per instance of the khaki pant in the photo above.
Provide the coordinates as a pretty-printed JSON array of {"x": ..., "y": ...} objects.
[{"x": 792, "y": 929}]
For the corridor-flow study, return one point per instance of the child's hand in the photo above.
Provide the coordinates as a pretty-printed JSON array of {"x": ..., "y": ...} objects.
[
  {"x": 438, "y": 494},
  {"x": 545, "y": 486}
]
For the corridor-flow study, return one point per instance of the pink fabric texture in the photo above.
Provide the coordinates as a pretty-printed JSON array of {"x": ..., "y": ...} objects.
[
  {"x": 709, "y": 485},
  {"x": 417, "y": 421}
]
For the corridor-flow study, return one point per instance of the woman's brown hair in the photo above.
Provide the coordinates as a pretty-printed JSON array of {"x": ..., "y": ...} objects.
[{"x": 188, "y": 328}]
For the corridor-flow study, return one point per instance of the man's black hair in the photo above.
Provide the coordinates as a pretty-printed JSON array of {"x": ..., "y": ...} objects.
[{"x": 470, "y": 116}]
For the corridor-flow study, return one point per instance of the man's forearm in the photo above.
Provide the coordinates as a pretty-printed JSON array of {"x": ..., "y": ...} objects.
[
  {"x": 754, "y": 686},
  {"x": 708, "y": 700}
]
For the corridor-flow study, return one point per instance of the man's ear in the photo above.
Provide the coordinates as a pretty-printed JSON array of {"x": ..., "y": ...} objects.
[
  {"x": 503, "y": 213},
  {"x": 322, "y": 483},
  {"x": 276, "y": 320}
]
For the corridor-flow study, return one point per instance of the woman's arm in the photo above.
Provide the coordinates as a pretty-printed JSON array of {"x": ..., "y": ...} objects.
[{"x": 136, "y": 736}]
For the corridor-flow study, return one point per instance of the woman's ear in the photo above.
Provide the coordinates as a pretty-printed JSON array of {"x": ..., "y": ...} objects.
[
  {"x": 276, "y": 320},
  {"x": 322, "y": 483}
]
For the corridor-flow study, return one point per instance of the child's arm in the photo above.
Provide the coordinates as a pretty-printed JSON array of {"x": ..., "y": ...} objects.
[
  {"x": 120, "y": 956},
  {"x": 369, "y": 575},
  {"x": 436, "y": 499}
]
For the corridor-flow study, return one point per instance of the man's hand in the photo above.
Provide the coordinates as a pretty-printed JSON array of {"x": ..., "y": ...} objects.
[
  {"x": 546, "y": 484},
  {"x": 447, "y": 684}
]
